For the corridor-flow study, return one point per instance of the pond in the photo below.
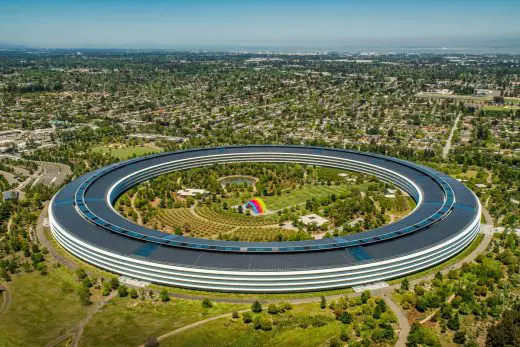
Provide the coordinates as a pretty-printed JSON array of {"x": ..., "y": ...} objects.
[{"x": 238, "y": 180}]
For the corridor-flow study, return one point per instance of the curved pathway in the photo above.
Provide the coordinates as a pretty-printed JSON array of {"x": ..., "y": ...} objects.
[
  {"x": 193, "y": 325},
  {"x": 402, "y": 319}
]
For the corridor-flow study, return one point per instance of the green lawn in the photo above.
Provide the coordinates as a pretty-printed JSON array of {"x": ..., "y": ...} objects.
[
  {"x": 125, "y": 152},
  {"x": 299, "y": 196},
  {"x": 42, "y": 308},
  {"x": 288, "y": 332},
  {"x": 129, "y": 322}
]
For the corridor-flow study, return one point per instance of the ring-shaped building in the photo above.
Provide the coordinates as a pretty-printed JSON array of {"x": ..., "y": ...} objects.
[{"x": 445, "y": 220}]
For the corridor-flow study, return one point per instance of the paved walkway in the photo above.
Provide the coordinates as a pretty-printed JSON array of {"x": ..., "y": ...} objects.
[
  {"x": 402, "y": 319},
  {"x": 447, "y": 147},
  {"x": 193, "y": 325}
]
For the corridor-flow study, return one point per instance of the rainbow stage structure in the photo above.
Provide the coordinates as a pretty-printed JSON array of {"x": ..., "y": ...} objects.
[{"x": 256, "y": 205}]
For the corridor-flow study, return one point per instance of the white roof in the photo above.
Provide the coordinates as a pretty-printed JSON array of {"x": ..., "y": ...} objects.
[
  {"x": 313, "y": 218},
  {"x": 191, "y": 192}
]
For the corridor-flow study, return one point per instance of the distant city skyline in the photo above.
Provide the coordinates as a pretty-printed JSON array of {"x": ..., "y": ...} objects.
[{"x": 335, "y": 25}]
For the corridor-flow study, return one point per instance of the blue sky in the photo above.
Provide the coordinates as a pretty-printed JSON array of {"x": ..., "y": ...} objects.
[{"x": 227, "y": 22}]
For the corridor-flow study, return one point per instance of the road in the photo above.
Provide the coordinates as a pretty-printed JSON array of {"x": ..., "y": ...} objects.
[{"x": 447, "y": 147}]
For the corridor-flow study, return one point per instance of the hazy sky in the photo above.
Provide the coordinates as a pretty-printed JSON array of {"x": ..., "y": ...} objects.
[{"x": 172, "y": 23}]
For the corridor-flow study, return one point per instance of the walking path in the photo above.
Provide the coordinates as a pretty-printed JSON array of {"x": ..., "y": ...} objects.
[
  {"x": 447, "y": 147},
  {"x": 77, "y": 331},
  {"x": 404, "y": 325},
  {"x": 7, "y": 300},
  {"x": 193, "y": 325}
]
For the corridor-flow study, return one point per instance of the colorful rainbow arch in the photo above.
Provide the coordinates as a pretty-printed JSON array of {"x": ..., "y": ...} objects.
[{"x": 257, "y": 205}]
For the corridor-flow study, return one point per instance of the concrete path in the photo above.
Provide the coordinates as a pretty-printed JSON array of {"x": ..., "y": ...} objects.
[
  {"x": 402, "y": 319},
  {"x": 447, "y": 147},
  {"x": 193, "y": 325}
]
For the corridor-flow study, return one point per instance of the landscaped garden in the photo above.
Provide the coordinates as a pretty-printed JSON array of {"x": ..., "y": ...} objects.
[{"x": 345, "y": 202}]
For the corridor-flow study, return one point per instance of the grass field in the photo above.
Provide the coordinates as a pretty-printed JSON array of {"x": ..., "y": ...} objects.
[
  {"x": 127, "y": 322},
  {"x": 125, "y": 152},
  {"x": 287, "y": 332},
  {"x": 42, "y": 308},
  {"x": 298, "y": 196}
]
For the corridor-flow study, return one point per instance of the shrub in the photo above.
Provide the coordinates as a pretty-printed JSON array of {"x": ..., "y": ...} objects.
[
  {"x": 122, "y": 291},
  {"x": 107, "y": 289},
  {"x": 256, "y": 307},
  {"x": 165, "y": 297},
  {"x": 247, "y": 317},
  {"x": 335, "y": 342},
  {"x": 345, "y": 317},
  {"x": 365, "y": 296},
  {"x": 114, "y": 283},
  {"x": 206, "y": 303},
  {"x": 81, "y": 274},
  {"x": 272, "y": 309},
  {"x": 323, "y": 303},
  {"x": 459, "y": 337},
  {"x": 234, "y": 315},
  {"x": 133, "y": 293}
]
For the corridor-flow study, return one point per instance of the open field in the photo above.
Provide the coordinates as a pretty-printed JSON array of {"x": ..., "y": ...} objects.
[
  {"x": 42, "y": 308},
  {"x": 127, "y": 322},
  {"x": 304, "y": 325},
  {"x": 125, "y": 152},
  {"x": 300, "y": 195}
]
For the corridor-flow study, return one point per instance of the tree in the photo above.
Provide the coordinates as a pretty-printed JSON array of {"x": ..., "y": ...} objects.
[
  {"x": 165, "y": 297},
  {"x": 422, "y": 336},
  {"x": 323, "y": 303},
  {"x": 405, "y": 284},
  {"x": 122, "y": 291},
  {"x": 256, "y": 307},
  {"x": 206, "y": 303},
  {"x": 114, "y": 283},
  {"x": 454, "y": 322},
  {"x": 84, "y": 295},
  {"x": 106, "y": 289},
  {"x": 345, "y": 317},
  {"x": 459, "y": 337},
  {"x": 133, "y": 293},
  {"x": 365, "y": 296},
  {"x": 507, "y": 331}
]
